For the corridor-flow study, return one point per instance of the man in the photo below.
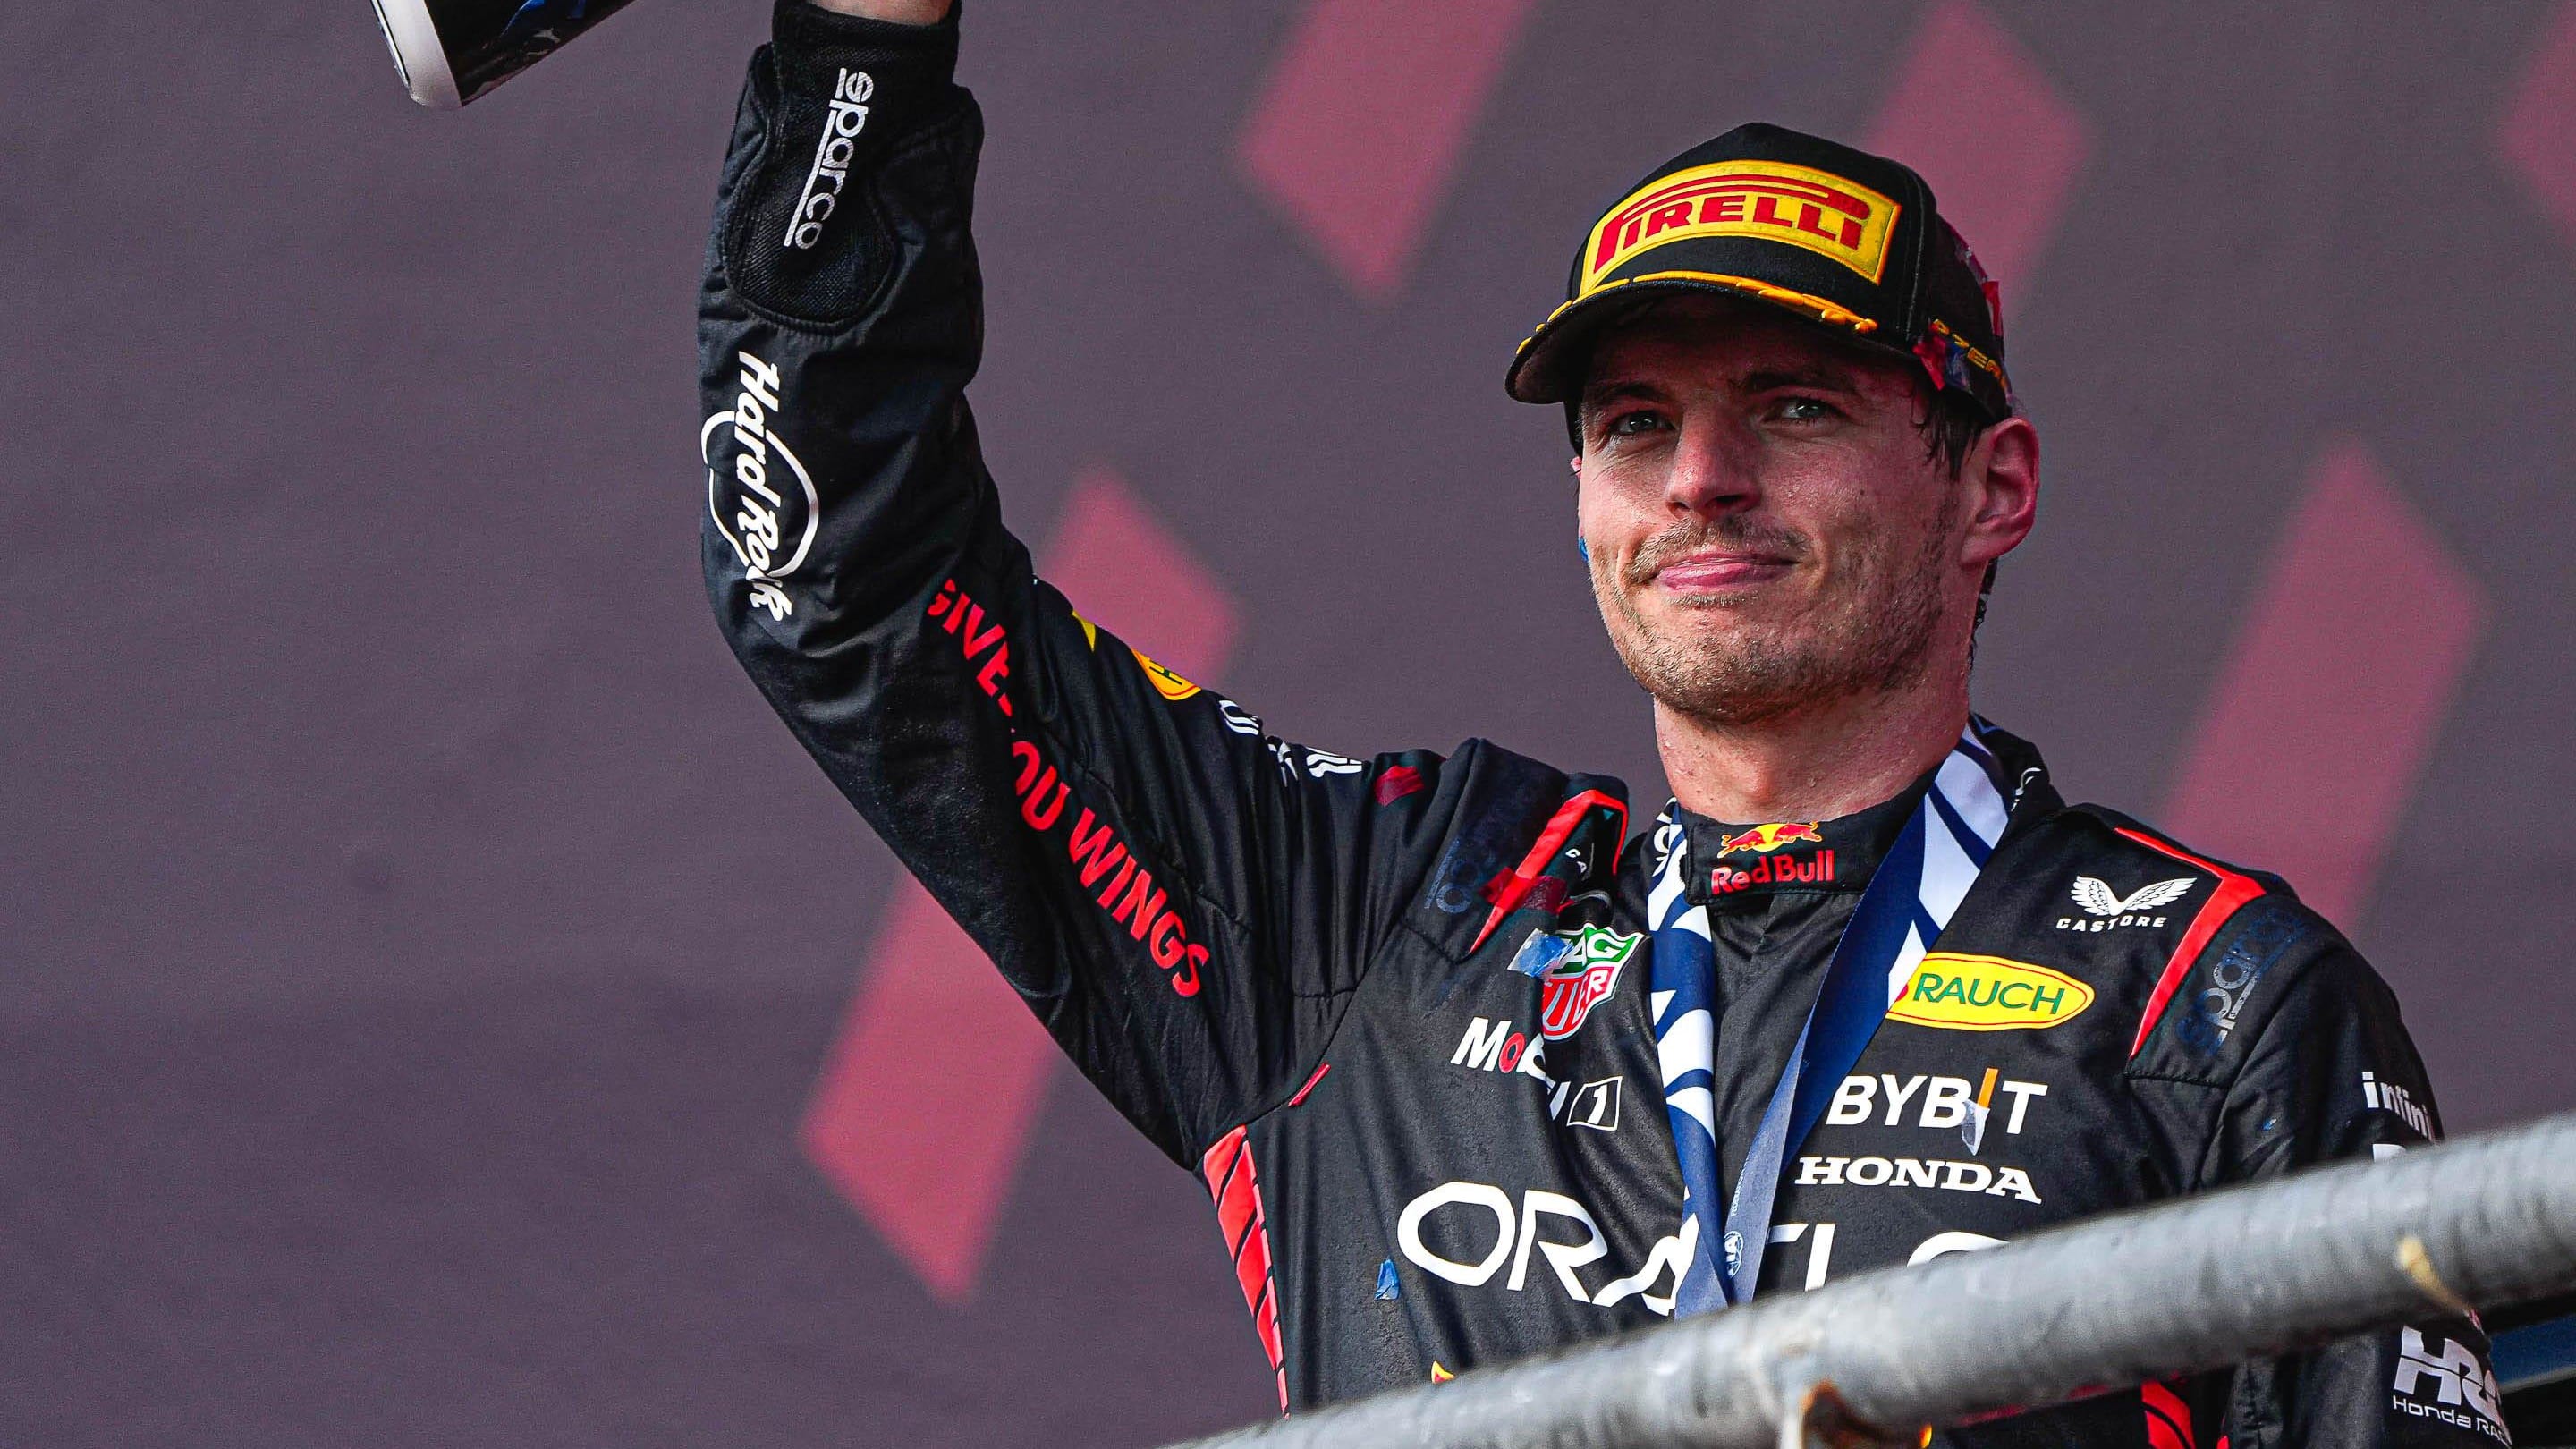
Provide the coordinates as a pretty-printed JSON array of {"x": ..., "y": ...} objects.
[{"x": 1470, "y": 1073}]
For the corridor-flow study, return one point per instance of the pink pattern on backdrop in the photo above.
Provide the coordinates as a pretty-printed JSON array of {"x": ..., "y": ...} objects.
[
  {"x": 1362, "y": 120},
  {"x": 2537, "y": 135},
  {"x": 2000, "y": 145},
  {"x": 928, "y": 1092},
  {"x": 2350, "y": 655},
  {"x": 1131, "y": 576},
  {"x": 939, "y": 1072}
]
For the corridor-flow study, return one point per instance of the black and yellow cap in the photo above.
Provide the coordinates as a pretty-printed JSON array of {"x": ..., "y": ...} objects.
[{"x": 1848, "y": 240}]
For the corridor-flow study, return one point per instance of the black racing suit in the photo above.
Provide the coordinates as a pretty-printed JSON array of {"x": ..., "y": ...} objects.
[{"x": 1289, "y": 969}]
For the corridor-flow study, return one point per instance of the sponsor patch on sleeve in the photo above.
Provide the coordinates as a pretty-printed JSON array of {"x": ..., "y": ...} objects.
[{"x": 1167, "y": 684}]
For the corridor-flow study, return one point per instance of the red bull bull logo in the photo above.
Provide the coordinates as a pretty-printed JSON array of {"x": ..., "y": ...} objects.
[{"x": 1763, "y": 839}]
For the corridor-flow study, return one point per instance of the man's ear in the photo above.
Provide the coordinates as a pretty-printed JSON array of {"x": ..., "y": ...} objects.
[{"x": 2002, "y": 472}]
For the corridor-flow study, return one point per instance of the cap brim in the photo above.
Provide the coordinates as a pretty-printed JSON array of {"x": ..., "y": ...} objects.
[{"x": 1551, "y": 362}]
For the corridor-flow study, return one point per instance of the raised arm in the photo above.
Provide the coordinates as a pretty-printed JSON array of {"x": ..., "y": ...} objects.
[{"x": 1184, "y": 902}]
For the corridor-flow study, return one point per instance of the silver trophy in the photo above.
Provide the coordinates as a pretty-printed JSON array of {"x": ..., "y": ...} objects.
[{"x": 453, "y": 51}]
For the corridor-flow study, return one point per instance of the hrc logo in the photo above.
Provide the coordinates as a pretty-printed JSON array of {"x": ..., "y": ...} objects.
[{"x": 1772, "y": 200}]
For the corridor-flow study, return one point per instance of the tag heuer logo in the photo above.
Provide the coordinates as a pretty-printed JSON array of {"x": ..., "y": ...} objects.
[{"x": 1584, "y": 978}]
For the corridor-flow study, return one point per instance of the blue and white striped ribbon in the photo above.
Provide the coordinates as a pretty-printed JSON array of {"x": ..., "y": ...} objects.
[{"x": 1916, "y": 889}]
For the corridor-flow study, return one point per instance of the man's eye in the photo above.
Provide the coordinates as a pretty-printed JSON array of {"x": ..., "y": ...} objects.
[
  {"x": 1805, "y": 410},
  {"x": 1628, "y": 425}
]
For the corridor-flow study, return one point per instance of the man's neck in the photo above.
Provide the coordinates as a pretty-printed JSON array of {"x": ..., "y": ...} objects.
[{"x": 1815, "y": 764}]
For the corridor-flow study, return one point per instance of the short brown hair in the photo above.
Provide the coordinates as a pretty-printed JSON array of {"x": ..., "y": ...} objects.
[{"x": 1950, "y": 424}]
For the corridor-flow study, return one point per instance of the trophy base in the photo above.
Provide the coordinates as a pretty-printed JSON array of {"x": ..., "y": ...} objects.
[{"x": 412, "y": 34}]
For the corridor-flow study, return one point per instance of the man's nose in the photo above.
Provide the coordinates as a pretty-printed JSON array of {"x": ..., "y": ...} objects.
[{"x": 1714, "y": 468}]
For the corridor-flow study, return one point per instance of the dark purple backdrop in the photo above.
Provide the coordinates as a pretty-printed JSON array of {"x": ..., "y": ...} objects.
[{"x": 421, "y": 946}]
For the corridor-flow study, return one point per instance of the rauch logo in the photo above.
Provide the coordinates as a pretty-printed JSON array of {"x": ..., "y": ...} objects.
[{"x": 1988, "y": 993}]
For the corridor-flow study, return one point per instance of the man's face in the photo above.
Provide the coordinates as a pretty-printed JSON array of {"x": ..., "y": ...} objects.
[{"x": 1767, "y": 530}]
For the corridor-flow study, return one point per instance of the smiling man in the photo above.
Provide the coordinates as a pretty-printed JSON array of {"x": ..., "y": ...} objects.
[
  {"x": 1789, "y": 536},
  {"x": 1467, "y": 1070}
]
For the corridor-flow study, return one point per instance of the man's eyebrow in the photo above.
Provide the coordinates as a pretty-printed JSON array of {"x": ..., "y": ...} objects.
[
  {"x": 1609, "y": 392},
  {"x": 1827, "y": 379}
]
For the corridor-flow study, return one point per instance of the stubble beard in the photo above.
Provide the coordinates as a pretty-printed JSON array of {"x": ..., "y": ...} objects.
[{"x": 1872, "y": 635}]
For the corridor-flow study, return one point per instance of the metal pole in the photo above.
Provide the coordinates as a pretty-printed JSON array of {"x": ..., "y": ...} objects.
[{"x": 2194, "y": 1284}]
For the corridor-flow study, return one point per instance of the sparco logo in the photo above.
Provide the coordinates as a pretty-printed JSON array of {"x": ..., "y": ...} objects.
[
  {"x": 763, "y": 501},
  {"x": 847, "y": 118}
]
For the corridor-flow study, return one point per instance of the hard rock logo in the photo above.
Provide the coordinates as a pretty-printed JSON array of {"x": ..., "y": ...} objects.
[{"x": 760, "y": 496}]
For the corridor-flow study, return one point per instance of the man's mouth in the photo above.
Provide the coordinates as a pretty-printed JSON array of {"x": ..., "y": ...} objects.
[{"x": 1712, "y": 570}]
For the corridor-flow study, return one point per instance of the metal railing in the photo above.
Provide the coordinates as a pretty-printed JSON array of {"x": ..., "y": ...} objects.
[{"x": 2194, "y": 1284}]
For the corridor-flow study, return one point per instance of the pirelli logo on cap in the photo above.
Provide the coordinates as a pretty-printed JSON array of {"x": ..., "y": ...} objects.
[{"x": 1772, "y": 200}]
